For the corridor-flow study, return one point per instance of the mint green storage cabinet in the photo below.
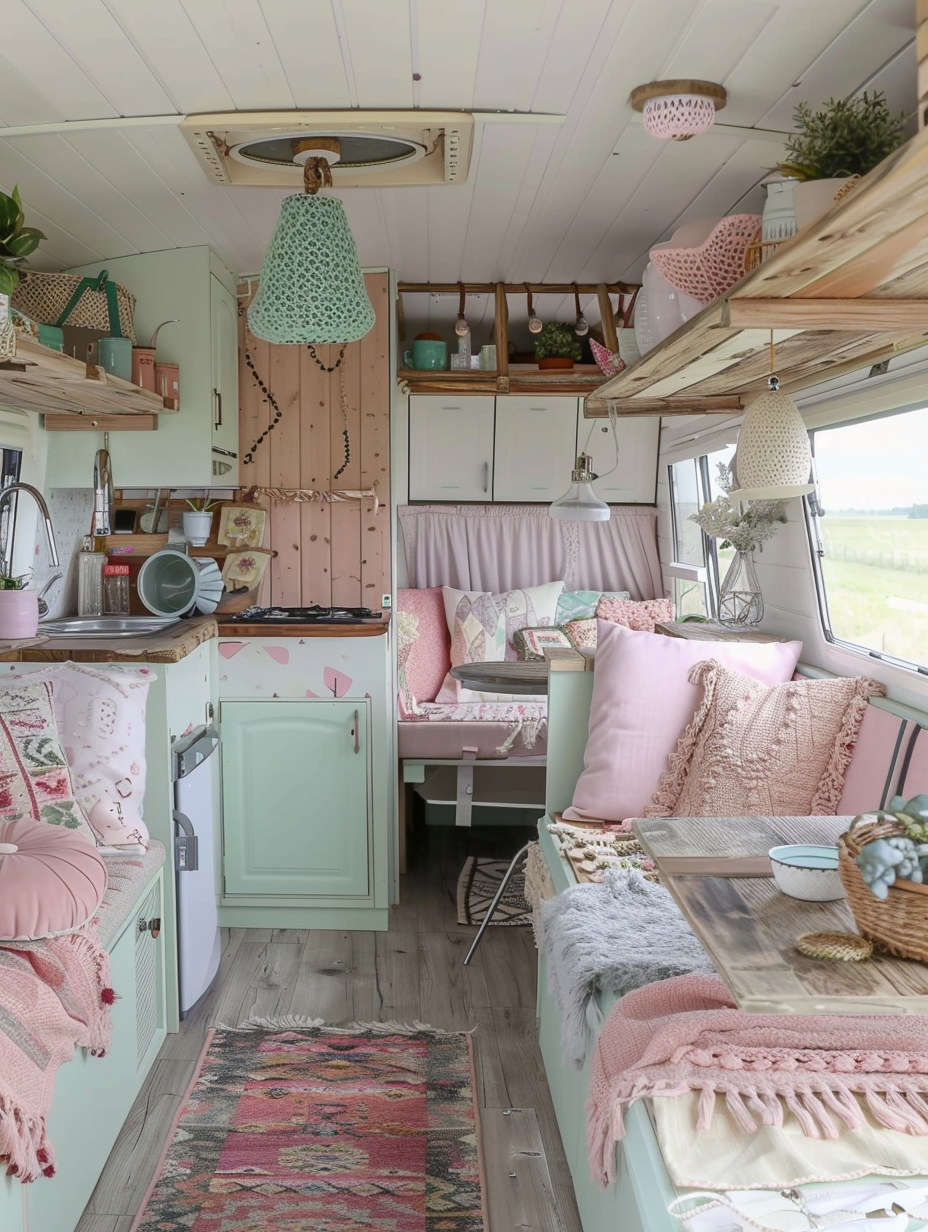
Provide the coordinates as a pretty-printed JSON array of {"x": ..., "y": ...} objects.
[
  {"x": 296, "y": 799},
  {"x": 192, "y": 446}
]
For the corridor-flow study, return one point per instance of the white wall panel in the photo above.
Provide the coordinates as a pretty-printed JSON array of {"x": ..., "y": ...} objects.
[
  {"x": 448, "y": 40},
  {"x": 517, "y": 36},
  {"x": 306, "y": 40},
  {"x": 381, "y": 51},
  {"x": 244, "y": 53}
]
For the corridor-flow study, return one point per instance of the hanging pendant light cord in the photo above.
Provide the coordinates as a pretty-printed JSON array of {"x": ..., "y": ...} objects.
[
  {"x": 773, "y": 381},
  {"x": 316, "y": 174}
]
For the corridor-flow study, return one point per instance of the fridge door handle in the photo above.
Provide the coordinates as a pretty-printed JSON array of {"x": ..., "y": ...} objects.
[
  {"x": 357, "y": 732},
  {"x": 186, "y": 844}
]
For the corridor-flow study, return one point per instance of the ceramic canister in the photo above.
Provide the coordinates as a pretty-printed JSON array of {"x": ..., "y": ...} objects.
[
  {"x": 167, "y": 380},
  {"x": 143, "y": 367},
  {"x": 115, "y": 355}
]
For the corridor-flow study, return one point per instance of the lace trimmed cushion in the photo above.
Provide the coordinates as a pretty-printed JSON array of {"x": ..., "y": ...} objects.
[
  {"x": 422, "y": 650},
  {"x": 750, "y": 749}
]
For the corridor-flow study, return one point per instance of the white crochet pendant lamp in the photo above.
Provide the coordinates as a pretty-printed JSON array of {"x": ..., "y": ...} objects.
[
  {"x": 774, "y": 458},
  {"x": 680, "y": 109},
  {"x": 311, "y": 287}
]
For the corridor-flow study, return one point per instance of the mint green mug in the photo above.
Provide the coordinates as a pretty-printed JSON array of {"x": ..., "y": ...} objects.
[{"x": 427, "y": 355}]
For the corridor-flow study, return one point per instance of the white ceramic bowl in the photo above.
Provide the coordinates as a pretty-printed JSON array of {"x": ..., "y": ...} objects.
[{"x": 807, "y": 872}]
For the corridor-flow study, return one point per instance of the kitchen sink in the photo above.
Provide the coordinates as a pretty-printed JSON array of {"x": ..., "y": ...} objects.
[{"x": 105, "y": 626}]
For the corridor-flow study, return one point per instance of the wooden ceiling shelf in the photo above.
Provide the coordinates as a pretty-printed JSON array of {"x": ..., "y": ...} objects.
[
  {"x": 509, "y": 378},
  {"x": 41, "y": 379},
  {"x": 849, "y": 291}
]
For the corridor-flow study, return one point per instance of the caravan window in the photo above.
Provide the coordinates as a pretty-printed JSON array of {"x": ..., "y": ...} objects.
[
  {"x": 872, "y": 542},
  {"x": 697, "y": 561}
]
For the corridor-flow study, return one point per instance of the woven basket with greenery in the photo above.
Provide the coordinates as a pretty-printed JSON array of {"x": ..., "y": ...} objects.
[{"x": 897, "y": 922}]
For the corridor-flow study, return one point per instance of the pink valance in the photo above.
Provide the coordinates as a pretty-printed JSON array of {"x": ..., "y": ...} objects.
[{"x": 502, "y": 547}]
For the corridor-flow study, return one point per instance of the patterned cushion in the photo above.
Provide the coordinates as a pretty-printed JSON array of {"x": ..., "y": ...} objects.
[
  {"x": 581, "y": 604},
  {"x": 582, "y": 634},
  {"x": 423, "y": 650},
  {"x": 531, "y": 644},
  {"x": 483, "y": 624},
  {"x": 774, "y": 752},
  {"x": 34, "y": 778},
  {"x": 641, "y": 616}
]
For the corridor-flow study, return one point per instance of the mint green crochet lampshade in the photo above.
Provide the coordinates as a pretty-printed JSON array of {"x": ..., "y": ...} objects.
[{"x": 311, "y": 288}]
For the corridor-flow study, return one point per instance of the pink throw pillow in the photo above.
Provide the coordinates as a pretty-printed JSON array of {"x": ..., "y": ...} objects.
[
  {"x": 51, "y": 880},
  {"x": 641, "y": 615},
  {"x": 423, "y": 646},
  {"x": 769, "y": 752},
  {"x": 642, "y": 700}
]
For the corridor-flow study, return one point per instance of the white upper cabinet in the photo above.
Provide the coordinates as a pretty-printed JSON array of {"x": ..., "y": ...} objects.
[
  {"x": 192, "y": 286},
  {"x": 634, "y": 479},
  {"x": 451, "y": 448},
  {"x": 534, "y": 447}
]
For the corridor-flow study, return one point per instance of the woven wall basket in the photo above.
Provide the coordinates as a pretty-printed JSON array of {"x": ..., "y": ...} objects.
[
  {"x": 898, "y": 923},
  {"x": 44, "y": 298}
]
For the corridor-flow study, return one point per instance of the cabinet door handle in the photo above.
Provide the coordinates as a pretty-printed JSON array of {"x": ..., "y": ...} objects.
[
  {"x": 486, "y": 476},
  {"x": 218, "y": 420},
  {"x": 356, "y": 732}
]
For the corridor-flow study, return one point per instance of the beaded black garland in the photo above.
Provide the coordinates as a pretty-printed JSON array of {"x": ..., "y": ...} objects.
[
  {"x": 272, "y": 402},
  {"x": 316, "y": 360}
]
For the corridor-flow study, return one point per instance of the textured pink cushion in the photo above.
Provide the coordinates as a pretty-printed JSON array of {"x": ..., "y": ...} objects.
[
  {"x": 34, "y": 778},
  {"x": 757, "y": 751},
  {"x": 867, "y": 775},
  {"x": 51, "y": 880},
  {"x": 641, "y": 703},
  {"x": 641, "y": 615},
  {"x": 101, "y": 723},
  {"x": 423, "y": 646}
]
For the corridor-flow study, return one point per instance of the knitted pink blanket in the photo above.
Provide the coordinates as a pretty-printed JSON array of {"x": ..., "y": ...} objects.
[
  {"x": 54, "y": 996},
  {"x": 683, "y": 1034}
]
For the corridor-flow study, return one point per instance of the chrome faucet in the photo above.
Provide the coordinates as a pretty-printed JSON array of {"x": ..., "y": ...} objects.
[
  {"x": 5, "y": 495},
  {"x": 43, "y": 606},
  {"x": 102, "y": 492}
]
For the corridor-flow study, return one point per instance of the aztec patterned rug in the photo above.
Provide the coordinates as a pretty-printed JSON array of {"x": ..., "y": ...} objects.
[
  {"x": 479, "y": 880},
  {"x": 291, "y": 1125}
]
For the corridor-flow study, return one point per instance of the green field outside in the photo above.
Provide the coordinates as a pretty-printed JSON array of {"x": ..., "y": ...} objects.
[{"x": 876, "y": 579}]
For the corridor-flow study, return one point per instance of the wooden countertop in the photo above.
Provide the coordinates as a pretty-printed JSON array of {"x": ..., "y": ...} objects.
[
  {"x": 711, "y": 866},
  {"x": 262, "y": 628},
  {"x": 170, "y": 646}
]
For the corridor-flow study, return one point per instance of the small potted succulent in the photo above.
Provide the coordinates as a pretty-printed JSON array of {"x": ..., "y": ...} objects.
[
  {"x": 19, "y": 608},
  {"x": 556, "y": 346},
  {"x": 845, "y": 137},
  {"x": 198, "y": 521},
  {"x": 17, "y": 242}
]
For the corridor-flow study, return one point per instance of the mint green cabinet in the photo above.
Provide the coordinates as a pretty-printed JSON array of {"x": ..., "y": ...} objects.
[
  {"x": 296, "y": 801},
  {"x": 193, "y": 445}
]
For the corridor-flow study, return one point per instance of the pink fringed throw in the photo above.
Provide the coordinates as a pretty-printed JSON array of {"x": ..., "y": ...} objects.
[
  {"x": 684, "y": 1034},
  {"x": 54, "y": 996}
]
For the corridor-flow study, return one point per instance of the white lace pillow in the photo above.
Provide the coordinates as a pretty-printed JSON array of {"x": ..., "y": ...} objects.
[{"x": 482, "y": 625}]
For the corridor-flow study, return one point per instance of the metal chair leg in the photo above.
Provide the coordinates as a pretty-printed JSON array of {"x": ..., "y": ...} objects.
[{"x": 507, "y": 877}]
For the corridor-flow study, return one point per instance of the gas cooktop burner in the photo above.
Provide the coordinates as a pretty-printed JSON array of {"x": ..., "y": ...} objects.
[{"x": 315, "y": 615}]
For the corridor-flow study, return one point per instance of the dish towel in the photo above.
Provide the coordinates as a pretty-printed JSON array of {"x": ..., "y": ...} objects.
[
  {"x": 54, "y": 996},
  {"x": 684, "y": 1034},
  {"x": 613, "y": 937}
]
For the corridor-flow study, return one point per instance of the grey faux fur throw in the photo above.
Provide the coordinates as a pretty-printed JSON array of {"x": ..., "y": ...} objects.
[{"x": 612, "y": 937}]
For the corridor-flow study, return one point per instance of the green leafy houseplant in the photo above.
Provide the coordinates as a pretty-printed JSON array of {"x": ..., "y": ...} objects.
[
  {"x": 847, "y": 136},
  {"x": 17, "y": 241},
  {"x": 7, "y": 582},
  {"x": 201, "y": 504},
  {"x": 557, "y": 341}
]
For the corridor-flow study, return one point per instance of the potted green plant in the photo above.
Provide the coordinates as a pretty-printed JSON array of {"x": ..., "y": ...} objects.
[
  {"x": 845, "y": 137},
  {"x": 199, "y": 520},
  {"x": 556, "y": 346},
  {"x": 17, "y": 242},
  {"x": 19, "y": 608}
]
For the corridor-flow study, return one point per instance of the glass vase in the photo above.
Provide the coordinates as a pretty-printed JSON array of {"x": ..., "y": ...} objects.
[{"x": 740, "y": 600}]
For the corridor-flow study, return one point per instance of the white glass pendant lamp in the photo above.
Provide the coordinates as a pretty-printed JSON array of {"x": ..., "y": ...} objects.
[
  {"x": 311, "y": 288},
  {"x": 580, "y": 502}
]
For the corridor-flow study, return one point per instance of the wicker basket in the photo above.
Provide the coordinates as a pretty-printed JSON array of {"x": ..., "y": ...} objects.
[
  {"x": 898, "y": 923},
  {"x": 47, "y": 297}
]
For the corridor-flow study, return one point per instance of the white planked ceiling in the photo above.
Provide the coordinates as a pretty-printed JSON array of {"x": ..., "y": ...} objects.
[{"x": 583, "y": 200}]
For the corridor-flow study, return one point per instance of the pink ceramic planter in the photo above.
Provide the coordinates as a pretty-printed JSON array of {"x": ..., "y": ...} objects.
[{"x": 19, "y": 614}]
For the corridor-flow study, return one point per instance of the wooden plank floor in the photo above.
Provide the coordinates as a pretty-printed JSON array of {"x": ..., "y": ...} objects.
[{"x": 413, "y": 972}]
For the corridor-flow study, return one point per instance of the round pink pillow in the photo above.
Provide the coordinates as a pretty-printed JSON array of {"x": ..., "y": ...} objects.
[{"x": 51, "y": 881}]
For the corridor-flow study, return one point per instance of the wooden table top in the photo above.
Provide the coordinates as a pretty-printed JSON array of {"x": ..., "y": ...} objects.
[
  {"x": 713, "y": 868},
  {"x": 504, "y": 677}
]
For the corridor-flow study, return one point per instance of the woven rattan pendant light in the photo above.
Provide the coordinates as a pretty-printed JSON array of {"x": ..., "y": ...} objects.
[
  {"x": 311, "y": 287},
  {"x": 774, "y": 458}
]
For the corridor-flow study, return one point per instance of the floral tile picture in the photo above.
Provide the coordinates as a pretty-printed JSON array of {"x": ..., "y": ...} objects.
[
  {"x": 245, "y": 568},
  {"x": 241, "y": 526}
]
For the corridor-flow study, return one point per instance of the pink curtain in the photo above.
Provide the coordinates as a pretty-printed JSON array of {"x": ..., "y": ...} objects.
[{"x": 502, "y": 547}]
